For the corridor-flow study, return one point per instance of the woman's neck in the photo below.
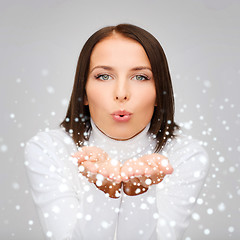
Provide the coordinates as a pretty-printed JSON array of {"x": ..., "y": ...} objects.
[{"x": 141, "y": 144}]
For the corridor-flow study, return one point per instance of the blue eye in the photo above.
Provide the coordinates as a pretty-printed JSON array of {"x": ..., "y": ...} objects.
[
  {"x": 103, "y": 77},
  {"x": 141, "y": 77}
]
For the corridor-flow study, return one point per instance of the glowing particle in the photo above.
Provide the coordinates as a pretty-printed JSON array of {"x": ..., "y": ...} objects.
[
  {"x": 50, "y": 90},
  {"x": 210, "y": 211},
  {"x": 88, "y": 217},
  {"x": 196, "y": 174},
  {"x": 144, "y": 206},
  {"x": 114, "y": 162},
  {"x": 104, "y": 224},
  {"x": 221, "y": 207},
  {"x": 90, "y": 199},
  {"x": 49, "y": 234},
  {"x": 117, "y": 194},
  {"x": 196, "y": 216},
  {"x": 140, "y": 232},
  {"x": 231, "y": 229},
  {"x": 164, "y": 162},
  {"x": 116, "y": 210},
  {"x": 64, "y": 102},
  {"x": 155, "y": 215},
  {"x": 44, "y": 72},
  {"x": 231, "y": 169},
  {"x": 99, "y": 177},
  {"x": 17, "y": 207},
  {"x": 86, "y": 188},
  {"x": 81, "y": 168},
  {"x": 12, "y": 115},
  {"x": 99, "y": 183},
  {"x": 137, "y": 190},
  {"x": 15, "y": 186},
  {"x": 18, "y": 80},
  {"x": 148, "y": 181},
  {"x": 4, "y": 148},
  {"x": 187, "y": 125},
  {"x": 172, "y": 223},
  {"x": 162, "y": 222},
  {"x": 30, "y": 222},
  {"x": 206, "y": 231},
  {"x": 203, "y": 160},
  {"x": 207, "y": 84},
  {"x": 151, "y": 200},
  {"x": 55, "y": 209},
  {"x": 192, "y": 199},
  {"x": 46, "y": 215},
  {"x": 79, "y": 215},
  {"x": 221, "y": 159}
]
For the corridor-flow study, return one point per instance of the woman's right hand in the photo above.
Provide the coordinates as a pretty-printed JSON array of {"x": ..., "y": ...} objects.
[{"x": 99, "y": 169}]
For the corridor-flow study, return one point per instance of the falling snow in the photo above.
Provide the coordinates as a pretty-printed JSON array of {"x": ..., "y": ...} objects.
[{"x": 213, "y": 123}]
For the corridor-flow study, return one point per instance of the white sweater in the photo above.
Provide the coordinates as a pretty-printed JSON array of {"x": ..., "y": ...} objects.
[{"x": 70, "y": 207}]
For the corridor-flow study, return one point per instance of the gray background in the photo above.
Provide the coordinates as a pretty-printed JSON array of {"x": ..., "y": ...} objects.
[{"x": 39, "y": 46}]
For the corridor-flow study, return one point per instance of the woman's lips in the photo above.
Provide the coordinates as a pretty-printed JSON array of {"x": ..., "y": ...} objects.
[{"x": 121, "y": 116}]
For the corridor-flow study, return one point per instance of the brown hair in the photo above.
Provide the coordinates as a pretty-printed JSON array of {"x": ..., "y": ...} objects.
[{"x": 77, "y": 120}]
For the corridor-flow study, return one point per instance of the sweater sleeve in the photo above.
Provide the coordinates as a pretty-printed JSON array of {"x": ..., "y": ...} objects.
[
  {"x": 177, "y": 194},
  {"x": 53, "y": 192}
]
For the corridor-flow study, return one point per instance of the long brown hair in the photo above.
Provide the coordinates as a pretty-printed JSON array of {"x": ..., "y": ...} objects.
[{"x": 77, "y": 120}]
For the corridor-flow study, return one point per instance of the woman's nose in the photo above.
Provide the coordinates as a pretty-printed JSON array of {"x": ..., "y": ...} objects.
[{"x": 121, "y": 91}]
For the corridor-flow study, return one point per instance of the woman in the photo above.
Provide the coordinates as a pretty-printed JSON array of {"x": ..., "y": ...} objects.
[{"x": 108, "y": 171}]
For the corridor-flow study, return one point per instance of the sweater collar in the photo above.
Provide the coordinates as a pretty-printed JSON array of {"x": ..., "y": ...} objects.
[{"x": 123, "y": 150}]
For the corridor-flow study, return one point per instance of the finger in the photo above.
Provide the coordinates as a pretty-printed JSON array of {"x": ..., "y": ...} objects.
[
  {"x": 91, "y": 166},
  {"x": 126, "y": 171},
  {"x": 157, "y": 178},
  {"x": 132, "y": 190},
  {"x": 145, "y": 181},
  {"x": 80, "y": 155}
]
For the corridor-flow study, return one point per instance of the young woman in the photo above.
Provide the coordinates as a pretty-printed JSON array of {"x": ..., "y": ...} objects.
[{"x": 118, "y": 167}]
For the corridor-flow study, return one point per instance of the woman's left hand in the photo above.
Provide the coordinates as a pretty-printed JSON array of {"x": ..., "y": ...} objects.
[{"x": 138, "y": 174}]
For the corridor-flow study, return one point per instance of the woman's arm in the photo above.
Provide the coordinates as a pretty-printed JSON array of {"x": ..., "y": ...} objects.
[
  {"x": 52, "y": 189},
  {"x": 177, "y": 194}
]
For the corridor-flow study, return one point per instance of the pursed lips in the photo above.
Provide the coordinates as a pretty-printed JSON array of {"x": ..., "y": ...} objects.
[{"x": 121, "y": 115}]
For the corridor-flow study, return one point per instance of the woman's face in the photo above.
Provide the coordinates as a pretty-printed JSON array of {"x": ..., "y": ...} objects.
[{"x": 120, "y": 87}]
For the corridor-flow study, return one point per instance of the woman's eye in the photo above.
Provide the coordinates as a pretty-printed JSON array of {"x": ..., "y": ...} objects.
[
  {"x": 141, "y": 77},
  {"x": 103, "y": 77}
]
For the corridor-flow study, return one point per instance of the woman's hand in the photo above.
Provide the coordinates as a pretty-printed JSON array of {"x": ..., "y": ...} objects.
[
  {"x": 99, "y": 169},
  {"x": 138, "y": 174}
]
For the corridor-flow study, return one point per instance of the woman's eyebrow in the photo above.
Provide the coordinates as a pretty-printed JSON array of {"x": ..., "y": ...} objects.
[{"x": 133, "y": 69}]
